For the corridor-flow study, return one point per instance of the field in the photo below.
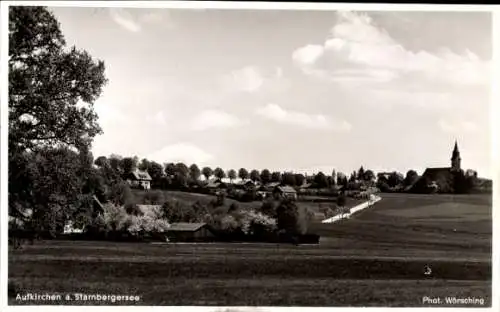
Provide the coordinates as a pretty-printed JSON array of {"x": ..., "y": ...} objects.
[
  {"x": 376, "y": 258},
  {"x": 312, "y": 203}
]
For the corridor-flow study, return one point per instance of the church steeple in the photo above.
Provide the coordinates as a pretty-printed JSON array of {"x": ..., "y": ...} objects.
[{"x": 455, "y": 158}]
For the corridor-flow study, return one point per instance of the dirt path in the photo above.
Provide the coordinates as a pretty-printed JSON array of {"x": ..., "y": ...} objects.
[{"x": 354, "y": 209}]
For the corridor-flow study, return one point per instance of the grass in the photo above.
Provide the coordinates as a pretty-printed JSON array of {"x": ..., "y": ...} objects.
[
  {"x": 376, "y": 258},
  {"x": 188, "y": 199}
]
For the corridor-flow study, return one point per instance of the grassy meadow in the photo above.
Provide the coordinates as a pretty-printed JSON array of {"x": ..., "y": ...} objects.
[{"x": 375, "y": 258}]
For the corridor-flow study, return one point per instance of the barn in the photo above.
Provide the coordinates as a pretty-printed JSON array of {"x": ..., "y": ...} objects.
[{"x": 189, "y": 232}]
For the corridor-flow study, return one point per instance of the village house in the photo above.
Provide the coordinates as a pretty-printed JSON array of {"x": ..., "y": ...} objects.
[
  {"x": 139, "y": 179},
  {"x": 305, "y": 187},
  {"x": 244, "y": 185},
  {"x": 189, "y": 232},
  {"x": 285, "y": 191},
  {"x": 216, "y": 186},
  {"x": 267, "y": 189}
]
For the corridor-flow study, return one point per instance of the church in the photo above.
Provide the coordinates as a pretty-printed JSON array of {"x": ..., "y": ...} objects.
[{"x": 440, "y": 180}]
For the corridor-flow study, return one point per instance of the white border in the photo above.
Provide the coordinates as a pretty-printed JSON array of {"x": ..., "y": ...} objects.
[
  {"x": 4, "y": 121},
  {"x": 236, "y": 5},
  {"x": 260, "y": 5}
]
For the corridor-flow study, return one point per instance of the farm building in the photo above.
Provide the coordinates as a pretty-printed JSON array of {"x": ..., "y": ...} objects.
[
  {"x": 267, "y": 189},
  {"x": 285, "y": 191},
  {"x": 244, "y": 185},
  {"x": 139, "y": 179},
  {"x": 305, "y": 187},
  {"x": 216, "y": 186},
  {"x": 188, "y": 232}
]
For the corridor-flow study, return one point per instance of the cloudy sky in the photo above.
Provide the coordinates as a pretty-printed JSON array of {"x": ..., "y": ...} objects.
[{"x": 290, "y": 90}]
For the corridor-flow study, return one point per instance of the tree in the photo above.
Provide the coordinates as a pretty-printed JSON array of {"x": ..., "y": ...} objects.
[
  {"x": 144, "y": 165},
  {"x": 52, "y": 89},
  {"x": 170, "y": 169},
  {"x": 395, "y": 179},
  {"x": 320, "y": 180},
  {"x": 182, "y": 169},
  {"x": 341, "y": 204},
  {"x": 352, "y": 177},
  {"x": 340, "y": 178},
  {"x": 120, "y": 194},
  {"x": 194, "y": 172},
  {"x": 219, "y": 173},
  {"x": 128, "y": 165},
  {"x": 334, "y": 177},
  {"x": 243, "y": 174},
  {"x": 288, "y": 178},
  {"x": 55, "y": 187},
  {"x": 361, "y": 173},
  {"x": 369, "y": 175},
  {"x": 47, "y": 81},
  {"x": 114, "y": 161},
  {"x": 101, "y": 161},
  {"x": 411, "y": 177},
  {"x": 276, "y": 176},
  {"x": 254, "y": 175},
  {"x": 207, "y": 172},
  {"x": 155, "y": 170},
  {"x": 265, "y": 176},
  {"x": 291, "y": 218},
  {"x": 231, "y": 174},
  {"x": 299, "y": 179},
  {"x": 181, "y": 175}
]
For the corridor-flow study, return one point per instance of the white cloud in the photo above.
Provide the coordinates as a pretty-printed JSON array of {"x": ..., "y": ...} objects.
[
  {"x": 386, "y": 98},
  {"x": 158, "y": 118},
  {"x": 158, "y": 17},
  {"x": 457, "y": 126},
  {"x": 251, "y": 78},
  {"x": 123, "y": 18},
  {"x": 358, "y": 50},
  {"x": 215, "y": 119},
  {"x": 275, "y": 112},
  {"x": 309, "y": 54},
  {"x": 181, "y": 152}
]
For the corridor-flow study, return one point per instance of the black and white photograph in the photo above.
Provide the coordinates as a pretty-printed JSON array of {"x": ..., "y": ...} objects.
[{"x": 241, "y": 156}]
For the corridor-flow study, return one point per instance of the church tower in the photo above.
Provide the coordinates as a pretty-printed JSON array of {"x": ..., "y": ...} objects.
[{"x": 455, "y": 159}]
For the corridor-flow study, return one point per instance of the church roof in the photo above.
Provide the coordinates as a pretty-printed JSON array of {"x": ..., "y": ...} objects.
[
  {"x": 456, "y": 152},
  {"x": 433, "y": 171}
]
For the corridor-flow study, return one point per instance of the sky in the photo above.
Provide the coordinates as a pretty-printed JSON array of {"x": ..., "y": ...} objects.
[{"x": 300, "y": 91}]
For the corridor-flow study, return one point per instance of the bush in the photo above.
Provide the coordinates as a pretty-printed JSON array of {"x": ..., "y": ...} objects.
[
  {"x": 268, "y": 208},
  {"x": 341, "y": 200},
  {"x": 234, "y": 207},
  {"x": 133, "y": 210},
  {"x": 293, "y": 219}
]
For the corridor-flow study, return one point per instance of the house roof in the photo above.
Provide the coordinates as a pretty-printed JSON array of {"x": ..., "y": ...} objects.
[
  {"x": 286, "y": 189},
  {"x": 306, "y": 185},
  {"x": 185, "y": 227},
  {"x": 216, "y": 184},
  {"x": 272, "y": 184},
  {"x": 141, "y": 175},
  {"x": 435, "y": 172}
]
